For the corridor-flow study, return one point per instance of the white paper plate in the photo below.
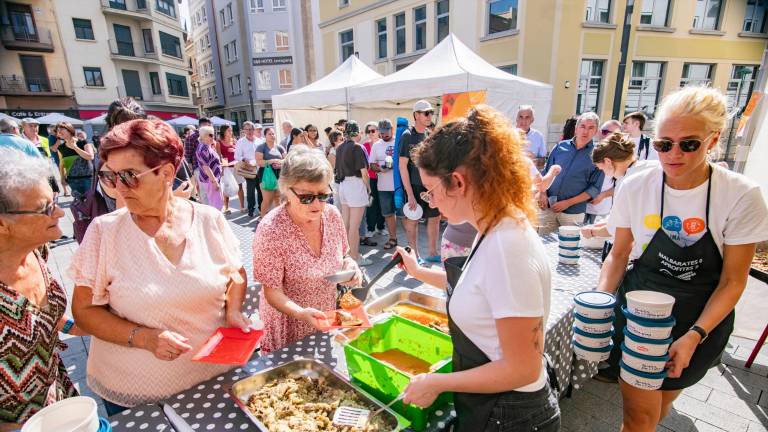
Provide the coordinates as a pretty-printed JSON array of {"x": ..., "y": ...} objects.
[{"x": 413, "y": 214}]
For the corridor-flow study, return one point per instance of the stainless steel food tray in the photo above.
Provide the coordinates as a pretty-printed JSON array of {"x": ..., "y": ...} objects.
[
  {"x": 243, "y": 389},
  {"x": 405, "y": 295}
]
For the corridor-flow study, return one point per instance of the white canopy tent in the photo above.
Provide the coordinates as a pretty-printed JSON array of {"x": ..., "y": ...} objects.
[
  {"x": 4, "y": 116},
  {"x": 54, "y": 118},
  {"x": 100, "y": 120},
  {"x": 218, "y": 121},
  {"x": 183, "y": 121}
]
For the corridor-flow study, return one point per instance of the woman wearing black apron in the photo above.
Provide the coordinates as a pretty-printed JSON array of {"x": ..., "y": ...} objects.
[
  {"x": 690, "y": 229},
  {"x": 475, "y": 171}
]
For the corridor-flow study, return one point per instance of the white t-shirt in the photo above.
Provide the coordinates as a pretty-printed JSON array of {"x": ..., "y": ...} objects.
[
  {"x": 652, "y": 153},
  {"x": 246, "y": 150},
  {"x": 737, "y": 210},
  {"x": 518, "y": 286},
  {"x": 604, "y": 206},
  {"x": 379, "y": 152}
]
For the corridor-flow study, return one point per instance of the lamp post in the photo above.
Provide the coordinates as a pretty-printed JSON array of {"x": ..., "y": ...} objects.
[{"x": 250, "y": 97}]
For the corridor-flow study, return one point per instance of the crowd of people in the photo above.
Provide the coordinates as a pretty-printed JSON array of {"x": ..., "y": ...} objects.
[{"x": 157, "y": 272}]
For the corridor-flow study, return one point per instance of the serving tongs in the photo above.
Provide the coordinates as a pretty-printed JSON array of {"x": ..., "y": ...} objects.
[
  {"x": 359, "y": 417},
  {"x": 364, "y": 291}
]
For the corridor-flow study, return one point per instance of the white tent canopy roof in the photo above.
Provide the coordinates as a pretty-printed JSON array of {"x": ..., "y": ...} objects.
[
  {"x": 100, "y": 120},
  {"x": 54, "y": 118},
  {"x": 6, "y": 116},
  {"x": 218, "y": 121},
  {"x": 183, "y": 121}
]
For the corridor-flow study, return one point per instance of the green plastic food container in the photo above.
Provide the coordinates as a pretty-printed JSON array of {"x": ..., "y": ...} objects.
[{"x": 383, "y": 381}]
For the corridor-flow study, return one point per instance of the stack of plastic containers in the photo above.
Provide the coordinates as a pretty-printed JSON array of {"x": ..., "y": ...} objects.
[
  {"x": 593, "y": 325},
  {"x": 647, "y": 337},
  {"x": 569, "y": 251}
]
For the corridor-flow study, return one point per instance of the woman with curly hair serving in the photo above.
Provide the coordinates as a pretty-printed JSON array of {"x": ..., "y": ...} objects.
[{"x": 475, "y": 170}]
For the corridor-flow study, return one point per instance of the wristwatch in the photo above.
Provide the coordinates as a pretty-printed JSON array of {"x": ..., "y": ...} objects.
[{"x": 700, "y": 330}]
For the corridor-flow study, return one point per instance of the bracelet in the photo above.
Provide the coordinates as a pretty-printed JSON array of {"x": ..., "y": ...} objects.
[
  {"x": 67, "y": 326},
  {"x": 133, "y": 333}
]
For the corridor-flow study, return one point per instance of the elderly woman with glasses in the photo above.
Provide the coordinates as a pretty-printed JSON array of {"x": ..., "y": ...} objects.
[
  {"x": 154, "y": 279},
  {"x": 32, "y": 302},
  {"x": 295, "y": 246}
]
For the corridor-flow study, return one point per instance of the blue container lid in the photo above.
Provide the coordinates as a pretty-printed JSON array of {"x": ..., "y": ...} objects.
[
  {"x": 586, "y": 320},
  {"x": 625, "y": 349},
  {"x": 593, "y": 335},
  {"x": 595, "y": 299},
  {"x": 647, "y": 322},
  {"x": 568, "y": 238},
  {"x": 639, "y": 339},
  {"x": 604, "y": 349},
  {"x": 647, "y": 375}
]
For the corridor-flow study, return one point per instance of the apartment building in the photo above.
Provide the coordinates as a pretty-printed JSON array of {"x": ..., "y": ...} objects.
[{"x": 574, "y": 45}]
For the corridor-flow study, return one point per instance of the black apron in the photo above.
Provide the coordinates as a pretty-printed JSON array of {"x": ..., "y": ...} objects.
[
  {"x": 472, "y": 409},
  {"x": 689, "y": 274}
]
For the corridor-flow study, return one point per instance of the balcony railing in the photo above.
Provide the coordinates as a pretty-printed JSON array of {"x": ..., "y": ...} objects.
[
  {"x": 26, "y": 38},
  {"x": 130, "y": 49},
  {"x": 136, "y": 8},
  {"x": 17, "y": 85},
  {"x": 143, "y": 94}
]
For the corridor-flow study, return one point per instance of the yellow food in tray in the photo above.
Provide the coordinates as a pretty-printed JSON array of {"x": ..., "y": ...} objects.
[
  {"x": 403, "y": 362},
  {"x": 429, "y": 318}
]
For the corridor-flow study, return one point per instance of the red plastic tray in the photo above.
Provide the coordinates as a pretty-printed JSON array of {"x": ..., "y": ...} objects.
[
  {"x": 229, "y": 345},
  {"x": 358, "y": 312}
]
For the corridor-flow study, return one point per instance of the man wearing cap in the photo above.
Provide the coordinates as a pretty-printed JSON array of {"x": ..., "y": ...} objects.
[
  {"x": 536, "y": 145},
  {"x": 29, "y": 128},
  {"x": 9, "y": 138},
  {"x": 422, "y": 119},
  {"x": 245, "y": 151},
  {"x": 381, "y": 161}
]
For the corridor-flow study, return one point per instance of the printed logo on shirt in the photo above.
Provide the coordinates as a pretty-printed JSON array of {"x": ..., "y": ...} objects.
[
  {"x": 683, "y": 270},
  {"x": 652, "y": 221}
]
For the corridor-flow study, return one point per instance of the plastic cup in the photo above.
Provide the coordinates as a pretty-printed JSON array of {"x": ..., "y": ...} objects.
[
  {"x": 643, "y": 362},
  {"x": 641, "y": 380},
  {"x": 650, "y": 304}
]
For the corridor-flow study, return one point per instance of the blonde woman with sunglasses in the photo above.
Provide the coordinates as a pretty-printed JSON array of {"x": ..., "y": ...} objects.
[{"x": 689, "y": 229}]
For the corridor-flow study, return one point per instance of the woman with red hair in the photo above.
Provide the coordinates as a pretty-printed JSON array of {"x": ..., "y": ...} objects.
[{"x": 154, "y": 279}]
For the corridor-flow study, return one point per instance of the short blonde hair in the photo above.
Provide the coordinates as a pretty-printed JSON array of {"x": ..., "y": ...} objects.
[
  {"x": 207, "y": 130},
  {"x": 706, "y": 103},
  {"x": 303, "y": 164}
]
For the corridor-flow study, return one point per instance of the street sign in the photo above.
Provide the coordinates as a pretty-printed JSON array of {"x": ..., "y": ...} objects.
[{"x": 269, "y": 61}]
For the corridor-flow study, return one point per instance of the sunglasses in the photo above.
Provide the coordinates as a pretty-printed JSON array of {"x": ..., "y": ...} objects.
[
  {"x": 428, "y": 113},
  {"x": 370, "y": 131},
  {"x": 127, "y": 177},
  {"x": 308, "y": 199},
  {"x": 48, "y": 210},
  {"x": 686, "y": 145}
]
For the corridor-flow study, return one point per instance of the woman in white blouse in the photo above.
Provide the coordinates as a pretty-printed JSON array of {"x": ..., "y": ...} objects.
[{"x": 155, "y": 279}]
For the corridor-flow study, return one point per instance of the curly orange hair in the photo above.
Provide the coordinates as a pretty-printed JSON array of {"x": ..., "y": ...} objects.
[{"x": 493, "y": 153}]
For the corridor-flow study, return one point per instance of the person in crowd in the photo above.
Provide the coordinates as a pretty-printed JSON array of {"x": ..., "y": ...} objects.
[
  {"x": 684, "y": 210},
  {"x": 155, "y": 278},
  {"x": 565, "y": 202},
  {"x": 29, "y": 131},
  {"x": 81, "y": 136},
  {"x": 187, "y": 131},
  {"x": 328, "y": 131},
  {"x": 341, "y": 125},
  {"x": 537, "y": 145},
  {"x": 227, "y": 147},
  {"x": 77, "y": 159},
  {"x": 609, "y": 127},
  {"x": 286, "y": 139},
  {"x": 209, "y": 168},
  {"x": 354, "y": 187},
  {"x": 412, "y": 137},
  {"x": 312, "y": 137},
  {"x": 271, "y": 154},
  {"x": 10, "y": 139},
  {"x": 297, "y": 139},
  {"x": 190, "y": 148},
  {"x": 245, "y": 152},
  {"x": 475, "y": 170},
  {"x": 634, "y": 123},
  {"x": 294, "y": 247},
  {"x": 569, "y": 128},
  {"x": 600, "y": 206},
  {"x": 336, "y": 139},
  {"x": 125, "y": 109},
  {"x": 382, "y": 163},
  {"x": 32, "y": 302},
  {"x": 374, "y": 221}
]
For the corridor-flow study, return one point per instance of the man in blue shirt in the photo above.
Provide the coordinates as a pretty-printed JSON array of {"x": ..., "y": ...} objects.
[
  {"x": 579, "y": 182},
  {"x": 9, "y": 138},
  {"x": 537, "y": 147}
]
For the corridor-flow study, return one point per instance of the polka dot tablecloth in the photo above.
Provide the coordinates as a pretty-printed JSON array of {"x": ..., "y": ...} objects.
[{"x": 208, "y": 406}]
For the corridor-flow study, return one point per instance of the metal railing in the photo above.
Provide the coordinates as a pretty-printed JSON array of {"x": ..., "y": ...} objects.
[
  {"x": 142, "y": 93},
  {"x": 18, "y": 85},
  {"x": 136, "y": 6},
  {"x": 26, "y": 38},
  {"x": 130, "y": 49}
]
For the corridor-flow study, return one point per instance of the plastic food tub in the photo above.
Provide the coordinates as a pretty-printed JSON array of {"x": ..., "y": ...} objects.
[
  {"x": 593, "y": 242},
  {"x": 641, "y": 380},
  {"x": 648, "y": 328},
  {"x": 642, "y": 362},
  {"x": 75, "y": 414},
  {"x": 590, "y": 325},
  {"x": 592, "y": 340},
  {"x": 567, "y": 259},
  {"x": 569, "y": 231},
  {"x": 570, "y": 251},
  {"x": 594, "y": 304},
  {"x": 592, "y": 354},
  {"x": 651, "y": 347},
  {"x": 650, "y": 304}
]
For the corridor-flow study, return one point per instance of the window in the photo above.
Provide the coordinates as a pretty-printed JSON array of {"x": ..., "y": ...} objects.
[
  {"x": 285, "y": 79},
  {"x": 644, "y": 87},
  {"x": 381, "y": 38},
  {"x": 238, "y": 85},
  {"x": 93, "y": 77},
  {"x": 502, "y": 16},
  {"x": 166, "y": 7},
  {"x": 259, "y": 42},
  {"x": 207, "y": 94},
  {"x": 141, "y": 4},
  {"x": 281, "y": 41},
  {"x": 343, "y": 3},
  {"x": 420, "y": 28},
  {"x": 347, "y": 44},
  {"x": 123, "y": 40},
  {"x": 231, "y": 86},
  {"x": 202, "y": 14},
  {"x": 399, "y": 33},
  {"x": 214, "y": 92},
  {"x": 83, "y": 29},
  {"x": 210, "y": 67},
  {"x": 590, "y": 82},
  {"x": 197, "y": 18},
  {"x": 230, "y": 17},
  {"x": 205, "y": 70},
  {"x": 118, "y": 4},
  {"x": 696, "y": 74},
  {"x": 207, "y": 41},
  {"x": 755, "y": 16},
  {"x": 177, "y": 85},
  {"x": 234, "y": 118},
  {"x": 257, "y": 6},
  {"x": 222, "y": 18},
  {"x": 598, "y": 11},
  {"x": 149, "y": 43},
  {"x": 655, "y": 13},
  {"x": 263, "y": 80},
  {"x": 22, "y": 22},
  {"x": 230, "y": 52},
  {"x": 170, "y": 45},
  {"x": 510, "y": 69},
  {"x": 707, "y": 15},
  {"x": 154, "y": 82},
  {"x": 442, "y": 19},
  {"x": 278, "y": 6},
  {"x": 740, "y": 85}
]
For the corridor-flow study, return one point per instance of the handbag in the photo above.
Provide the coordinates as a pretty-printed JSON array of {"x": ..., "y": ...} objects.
[
  {"x": 85, "y": 209},
  {"x": 246, "y": 170},
  {"x": 80, "y": 169},
  {"x": 268, "y": 179}
]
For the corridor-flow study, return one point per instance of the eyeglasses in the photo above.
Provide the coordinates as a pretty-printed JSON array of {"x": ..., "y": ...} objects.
[
  {"x": 426, "y": 196},
  {"x": 686, "y": 145},
  {"x": 428, "y": 113},
  {"x": 605, "y": 131},
  {"x": 48, "y": 210},
  {"x": 127, "y": 177},
  {"x": 308, "y": 199},
  {"x": 370, "y": 131}
]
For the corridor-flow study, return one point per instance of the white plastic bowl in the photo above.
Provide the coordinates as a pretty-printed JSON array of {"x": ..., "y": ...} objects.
[
  {"x": 568, "y": 260},
  {"x": 642, "y": 362},
  {"x": 569, "y": 231},
  {"x": 594, "y": 304},
  {"x": 75, "y": 414},
  {"x": 641, "y": 380},
  {"x": 650, "y": 304},
  {"x": 594, "y": 326},
  {"x": 651, "y": 347},
  {"x": 593, "y": 242},
  {"x": 647, "y": 328},
  {"x": 568, "y": 243},
  {"x": 592, "y": 354},
  {"x": 592, "y": 340}
]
